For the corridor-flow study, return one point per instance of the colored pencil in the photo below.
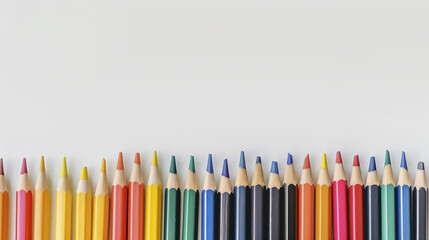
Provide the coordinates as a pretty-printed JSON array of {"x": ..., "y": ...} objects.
[
  {"x": 100, "y": 226},
  {"x": 63, "y": 206},
  {"x": 172, "y": 204},
  {"x": 356, "y": 202},
  {"x": 274, "y": 186},
  {"x": 4, "y": 205},
  {"x": 24, "y": 201},
  {"x": 136, "y": 203},
  {"x": 208, "y": 204},
  {"x": 339, "y": 192},
  {"x": 403, "y": 204},
  {"x": 42, "y": 205},
  {"x": 323, "y": 203},
  {"x": 118, "y": 225},
  {"x": 83, "y": 217},
  {"x": 226, "y": 199},
  {"x": 190, "y": 204},
  {"x": 290, "y": 202},
  {"x": 306, "y": 203},
  {"x": 372, "y": 203},
  {"x": 420, "y": 195},
  {"x": 257, "y": 205},
  {"x": 153, "y": 211},
  {"x": 388, "y": 216},
  {"x": 241, "y": 202}
]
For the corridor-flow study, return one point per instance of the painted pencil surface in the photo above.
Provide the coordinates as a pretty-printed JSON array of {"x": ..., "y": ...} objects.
[
  {"x": 118, "y": 225},
  {"x": 290, "y": 202},
  {"x": 100, "y": 226},
  {"x": 153, "y": 210},
  {"x": 225, "y": 204},
  {"x": 420, "y": 195},
  {"x": 274, "y": 186},
  {"x": 323, "y": 203},
  {"x": 4, "y": 205},
  {"x": 257, "y": 205},
  {"x": 83, "y": 217},
  {"x": 388, "y": 205},
  {"x": 208, "y": 204},
  {"x": 190, "y": 204},
  {"x": 339, "y": 191},
  {"x": 372, "y": 206},
  {"x": 172, "y": 204},
  {"x": 356, "y": 202},
  {"x": 136, "y": 202},
  {"x": 24, "y": 198},
  {"x": 42, "y": 205},
  {"x": 306, "y": 203},
  {"x": 241, "y": 202},
  {"x": 63, "y": 206},
  {"x": 403, "y": 196}
]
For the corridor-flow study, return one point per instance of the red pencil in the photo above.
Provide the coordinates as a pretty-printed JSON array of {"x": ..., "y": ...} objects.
[
  {"x": 356, "y": 202},
  {"x": 136, "y": 202},
  {"x": 24, "y": 205},
  {"x": 339, "y": 197},
  {"x": 119, "y": 203}
]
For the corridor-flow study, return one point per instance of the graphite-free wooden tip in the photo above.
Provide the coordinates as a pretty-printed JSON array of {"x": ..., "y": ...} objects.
[
  {"x": 137, "y": 158},
  {"x": 339, "y": 159},
  {"x": 356, "y": 161},
  {"x": 42, "y": 164},
  {"x": 120, "y": 164},
  {"x": 306, "y": 162}
]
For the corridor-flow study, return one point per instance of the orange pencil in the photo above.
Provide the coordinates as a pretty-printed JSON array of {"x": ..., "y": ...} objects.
[
  {"x": 4, "y": 205},
  {"x": 323, "y": 203},
  {"x": 136, "y": 202},
  {"x": 119, "y": 203},
  {"x": 24, "y": 201},
  {"x": 306, "y": 203}
]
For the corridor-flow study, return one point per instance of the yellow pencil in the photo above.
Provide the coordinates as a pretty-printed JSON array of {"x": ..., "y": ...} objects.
[
  {"x": 83, "y": 208},
  {"x": 42, "y": 205},
  {"x": 63, "y": 207},
  {"x": 153, "y": 203},
  {"x": 100, "y": 229}
]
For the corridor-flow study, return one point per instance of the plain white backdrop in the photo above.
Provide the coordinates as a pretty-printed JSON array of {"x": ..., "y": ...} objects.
[{"x": 86, "y": 79}]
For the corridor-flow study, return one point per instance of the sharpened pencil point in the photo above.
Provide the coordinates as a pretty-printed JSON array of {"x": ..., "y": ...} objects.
[
  {"x": 103, "y": 165},
  {"x": 120, "y": 164},
  {"x": 372, "y": 166},
  {"x": 225, "y": 170},
  {"x": 173, "y": 168},
  {"x": 356, "y": 161},
  {"x": 421, "y": 166},
  {"x": 84, "y": 173},
  {"x": 242, "y": 163},
  {"x": 274, "y": 167},
  {"x": 387, "y": 158},
  {"x": 324, "y": 163},
  {"x": 192, "y": 164},
  {"x": 42, "y": 164},
  {"x": 306, "y": 162},
  {"x": 137, "y": 158},
  {"x": 289, "y": 159},
  {"x": 210, "y": 164},
  {"x": 154, "y": 159},
  {"x": 24, "y": 166},
  {"x": 64, "y": 168},
  {"x": 404, "y": 161},
  {"x": 339, "y": 158},
  {"x": 258, "y": 160},
  {"x": 1, "y": 167}
]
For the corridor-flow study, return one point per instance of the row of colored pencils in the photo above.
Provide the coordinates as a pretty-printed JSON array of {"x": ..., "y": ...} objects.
[{"x": 288, "y": 210}]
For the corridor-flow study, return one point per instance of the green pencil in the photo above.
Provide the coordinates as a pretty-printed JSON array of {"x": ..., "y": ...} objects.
[
  {"x": 190, "y": 205},
  {"x": 172, "y": 205},
  {"x": 388, "y": 220}
]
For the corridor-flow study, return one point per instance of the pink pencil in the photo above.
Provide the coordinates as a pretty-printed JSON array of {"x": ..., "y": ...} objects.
[
  {"x": 24, "y": 200},
  {"x": 339, "y": 192}
]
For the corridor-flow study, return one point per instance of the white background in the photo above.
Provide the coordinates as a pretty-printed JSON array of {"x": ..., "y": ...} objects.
[{"x": 86, "y": 79}]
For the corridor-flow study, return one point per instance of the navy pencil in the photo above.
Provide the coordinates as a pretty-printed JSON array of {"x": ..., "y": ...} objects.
[
  {"x": 241, "y": 202},
  {"x": 371, "y": 201}
]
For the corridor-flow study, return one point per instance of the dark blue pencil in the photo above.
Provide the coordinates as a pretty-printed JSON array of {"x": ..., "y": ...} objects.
[
  {"x": 257, "y": 205},
  {"x": 420, "y": 195},
  {"x": 226, "y": 198},
  {"x": 208, "y": 204},
  {"x": 372, "y": 203},
  {"x": 241, "y": 202},
  {"x": 274, "y": 186}
]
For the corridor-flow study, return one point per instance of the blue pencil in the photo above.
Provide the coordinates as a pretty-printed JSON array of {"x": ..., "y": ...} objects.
[
  {"x": 225, "y": 196},
  {"x": 208, "y": 205},
  {"x": 403, "y": 196},
  {"x": 241, "y": 202}
]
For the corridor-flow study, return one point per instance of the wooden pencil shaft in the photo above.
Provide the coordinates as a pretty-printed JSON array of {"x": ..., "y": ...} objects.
[
  {"x": 403, "y": 209},
  {"x": 273, "y": 214},
  {"x": 388, "y": 215},
  {"x": 372, "y": 218},
  {"x": 241, "y": 213},
  {"x": 190, "y": 214},
  {"x": 419, "y": 213},
  {"x": 257, "y": 215},
  {"x": 225, "y": 216},
  {"x": 289, "y": 209},
  {"x": 172, "y": 214},
  {"x": 208, "y": 215}
]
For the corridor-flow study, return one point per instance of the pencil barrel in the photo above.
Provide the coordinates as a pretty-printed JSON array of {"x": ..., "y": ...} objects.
[
  {"x": 83, "y": 216},
  {"x": 153, "y": 217},
  {"x": 419, "y": 214},
  {"x": 63, "y": 215},
  {"x": 241, "y": 213},
  {"x": 289, "y": 220},
  {"x": 4, "y": 215},
  {"x": 208, "y": 215},
  {"x": 323, "y": 227},
  {"x": 356, "y": 212},
  {"x": 340, "y": 209},
  {"x": 190, "y": 214},
  {"x": 225, "y": 216},
  {"x": 23, "y": 215},
  {"x": 388, "y": 212},
  {"x": 257, "y": 205},
  {"x": 403, "y": 209},
  {"x": 372, "y": 216},
  {"x": 306, "y": 211},
  {"x": 100, "y": 226},
  {"x": 136, "y": 207},
  {"x": 119, "y": 212},
  {"x": 273, "y": 213},
  {"x": 172, "y": 214}
]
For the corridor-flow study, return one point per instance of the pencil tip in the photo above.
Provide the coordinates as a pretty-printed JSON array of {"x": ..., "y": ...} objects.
[
  {"x": 1, "y": 167},
  {"x": 356, "y": 161},
  {"x": 274, "y": 167},
  {"x": 192, "y": 164},
  {"x": 210, "y": 164},
  {"x": 306, "y": 162},
  {"x": 120, "y": 164},
  {"x": 103, "y": 165},
  {"x": 173, "y": 168},
  {"x": 154, "y": 159},
  {"x": 324, "y": 163},
  {"x": 64, "y": 168},
  {"x": 84, "y": 173},
  {"x": 42, "y": 164},
  {"x": 421, "y": 166},
  {"x": 137, "y": 158},
  {"x": 372, "y": 166},
  {"x": 242, "y": 163},
  {"x": 225, "y": 170},
  {"x": 387, "y": 158},
  {"x": 404, "y": 161},
  {"x": 24, "y": 166},
  {"x": 258, "y": 160},
  {"x": 339, "y": 158},
  {"x": 289, "y": 159}
]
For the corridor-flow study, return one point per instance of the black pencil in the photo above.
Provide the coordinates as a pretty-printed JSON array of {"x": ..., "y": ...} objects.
[
  {"x": 274, "y": 187},
  {"x": 225, "y": 204},
  {"x": 257, "y": 205},
  {"x": 371, "y": 201},
  {"x": 289, "y": 202},
  {"x": 420, "y": 192}
]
